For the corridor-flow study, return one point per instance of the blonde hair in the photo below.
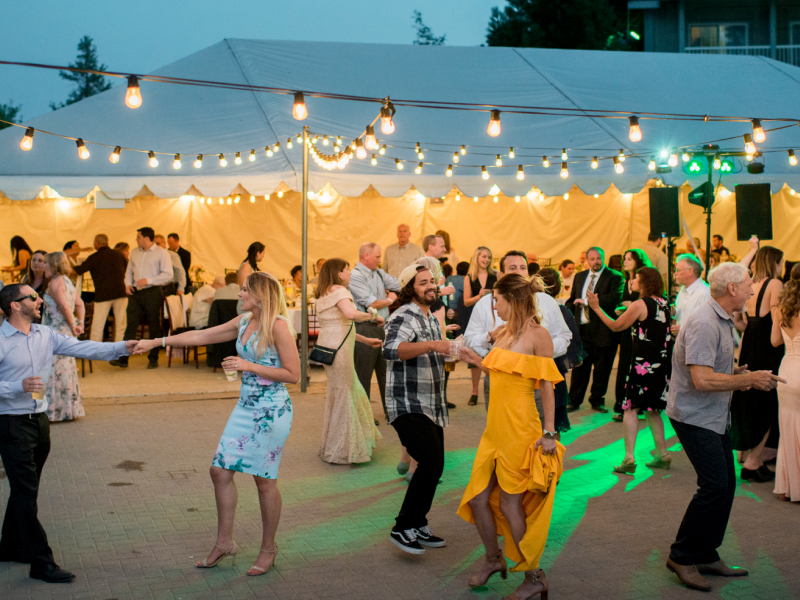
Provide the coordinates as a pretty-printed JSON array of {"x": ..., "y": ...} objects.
[
  {"x": 765, "y": 263},
  {"x": 473, "y": 264},
  {"x": 266, "y": 290},
  {"x": 433, "y": 265},
  {"x": 59, "y": 263},
  {"x": 520, "y": 293}
]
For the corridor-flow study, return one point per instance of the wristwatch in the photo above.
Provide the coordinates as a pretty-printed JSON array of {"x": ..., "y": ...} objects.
[{"x": 549, "y": 435}]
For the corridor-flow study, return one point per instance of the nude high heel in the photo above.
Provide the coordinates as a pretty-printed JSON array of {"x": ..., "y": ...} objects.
[
  {"x": 231, "y": 551},
  {"x": 499, "y": 561},
  {"x": 536, "y": 577},
  {"x": 273, "y": 552}
]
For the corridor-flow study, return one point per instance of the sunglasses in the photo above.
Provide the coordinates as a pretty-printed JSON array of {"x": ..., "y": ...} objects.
[{"x": 32, "y": 296}]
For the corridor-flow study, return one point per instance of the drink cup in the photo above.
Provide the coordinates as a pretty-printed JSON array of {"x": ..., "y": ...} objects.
[
  {"x": 44, "y": 373},
  {"x": 232, "y": 375},
  {"x": 455, "y": 345}
]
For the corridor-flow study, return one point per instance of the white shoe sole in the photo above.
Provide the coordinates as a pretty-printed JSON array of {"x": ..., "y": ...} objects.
[
  {"x": 406, "y": 548},
  {"x": 441, "y": 544}
]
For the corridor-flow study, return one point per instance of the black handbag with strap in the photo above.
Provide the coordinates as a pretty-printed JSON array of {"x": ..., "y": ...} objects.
[{"x": 324, "y": 355}]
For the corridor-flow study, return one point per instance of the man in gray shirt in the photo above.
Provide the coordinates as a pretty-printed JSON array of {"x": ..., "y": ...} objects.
[{"x": 698, "y": 405}]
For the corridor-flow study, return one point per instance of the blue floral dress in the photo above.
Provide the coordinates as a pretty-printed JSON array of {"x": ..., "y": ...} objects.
[
  {"x": 257, "y": 429},
  {"x": 651, "y": 359}
]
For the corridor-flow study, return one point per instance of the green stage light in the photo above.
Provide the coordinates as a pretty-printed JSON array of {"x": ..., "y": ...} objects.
[{"x": 696, "y": 166}]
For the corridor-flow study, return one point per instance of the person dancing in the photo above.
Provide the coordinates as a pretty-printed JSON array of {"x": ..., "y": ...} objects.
[
  {"x": 517, "y": 465},
  {"x": 254, "y": 437}
]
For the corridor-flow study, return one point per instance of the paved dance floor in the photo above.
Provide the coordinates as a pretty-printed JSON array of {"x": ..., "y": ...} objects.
[{"x": 128, "y": 506}]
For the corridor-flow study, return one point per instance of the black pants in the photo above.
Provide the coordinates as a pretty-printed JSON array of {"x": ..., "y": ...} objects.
[
  {"x": 24, "y": 446},
  {"x": 601, "y": 358},
  {"x": 368, "y": 359},
  {"x": 703, "y": 526},
  {"x": 424, "y": 441},
  {"x": 145, "y": 303}
]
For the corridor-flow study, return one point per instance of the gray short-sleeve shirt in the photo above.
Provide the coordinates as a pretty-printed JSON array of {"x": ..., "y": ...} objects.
[{"x": 706, "y": 339}]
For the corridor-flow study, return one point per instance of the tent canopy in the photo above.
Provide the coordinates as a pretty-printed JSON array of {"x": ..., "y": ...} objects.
[{"x": 190, "y": 120}]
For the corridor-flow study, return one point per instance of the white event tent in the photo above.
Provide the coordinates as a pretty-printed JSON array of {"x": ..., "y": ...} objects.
[{"x": 49, "y": 195}]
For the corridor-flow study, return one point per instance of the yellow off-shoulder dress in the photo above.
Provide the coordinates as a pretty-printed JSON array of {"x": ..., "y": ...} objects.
[{"x": 507, "y": 448}]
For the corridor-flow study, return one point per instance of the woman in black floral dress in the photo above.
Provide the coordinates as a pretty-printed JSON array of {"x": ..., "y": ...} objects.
[{"x": 651, "y": 364}]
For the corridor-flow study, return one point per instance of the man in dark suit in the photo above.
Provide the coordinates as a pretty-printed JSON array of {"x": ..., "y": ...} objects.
[
  {"x": 599, "y": 342},
  {"x": 173, "y": 242}
]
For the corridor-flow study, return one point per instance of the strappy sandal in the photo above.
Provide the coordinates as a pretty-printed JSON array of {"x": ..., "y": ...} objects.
[
  {"x": 536, "y": 577},
  {"x": 628, "y": 467},
  {"x": 231, "y": 551},
  {"x": 662, "y": 462},
  {"x": 473, "y": 400},
  {"x": 273, "y": 552},
  {"x": 497, "y": 559}
]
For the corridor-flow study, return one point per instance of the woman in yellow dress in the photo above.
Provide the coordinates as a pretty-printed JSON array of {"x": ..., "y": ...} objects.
[{"x": 517, "y": 465}]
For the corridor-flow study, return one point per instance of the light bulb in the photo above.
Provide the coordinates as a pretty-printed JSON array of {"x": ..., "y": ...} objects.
[
  {"x": 343, "y": 160},
  {"x": 222, "y": 161},
  {"x": 387, "y": 125},
  {"x": 564, "y": 170},
  {"x": 511, "y": 153},
  {"x": 564, "y": 155},
  {"x": 566, "y": 196},
  {"x": 202, "y": 200},
  {"x": 374, "y": 160},
  {"x": 495, "y": 199},
  {"x": 418, "y": 170},
  {"x": 133, "y": 97},
  {"x": 382, "y": 151},
  {"x": 449, "y": 171},
  {"x": 635, "y": 133},
  {"x": 545, "y": 162},
  {"x": 289, "y": 143},
  {"x": 338, "y": 140},
  {"x": 238, "y": 159},
  {"x": 458, "y": 197},
  {"x": 221, "y": 201},
  {"x": 176, "y": 163},
  {"x": 252, "y": 155},
  {"x": 618, "y": 165},
  {"x": 27, "y": 140},
  {"x": 652, "y": 164},
  {"x": 361, "y": 152},
  {"x": 685, "y": 157},
  {"x": 324, "y": 140},
  {"x": 664, "y": 154},
  {"x": 369, "y": 139},
  {"x": 236, "y": 200},
  {"x": 516, "y": 199},
  {"x": 198, "y": 162},
  {"x": 398, "y": 163},
  {"x": 299, "y": 138},
  {"x": 266, "y": 198},
  {"x": 299, "y": 111},
  {"x": 153, "y": 160},
  {"x": 621, "y": 155},
  {"x": 673, "y": 158},
  {"x": 758, "y": 132},
  {"x": 83, "y": 151},
  {"x": 114, "y": 156},
  {"x": 276, "y": 147},
  {"x": 498, "y": 161},
  {"x": 520, "y": 173},
  {"x": 455, "y": 157},
  {"x": 484, "y": 173},
  {"x": 792, "y": 158},
  {"x": 595, "y": 164},
  {"x": 475, "y": 198},
  {"x": 280, "y": 194},
  {"x": 269, "y": 151},
  {"x": 252, "y": 199},
  {"x": 748, "y": 156},
  {"x": 494, "y": 124},
  {"x": 463, "y": 149},
  {"x": 717, "y": 162},
  {"x": 749, "y": 146}
]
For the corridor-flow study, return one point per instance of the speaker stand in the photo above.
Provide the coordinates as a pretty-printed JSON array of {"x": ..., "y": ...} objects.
[{"x": 670, "y": 271}]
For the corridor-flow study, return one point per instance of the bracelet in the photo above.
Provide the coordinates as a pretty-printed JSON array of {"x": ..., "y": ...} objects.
[
  {"x": 163, "y": 342},
  {"x": 549, "y": 435}
]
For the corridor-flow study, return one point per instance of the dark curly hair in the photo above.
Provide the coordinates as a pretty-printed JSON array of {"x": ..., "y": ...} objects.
[
  {"x": 640, "y": 258},
  {"x": 789, "y": 300},
  {"x": 650, "y": 282},
  {"x": 406, "y": 295}
]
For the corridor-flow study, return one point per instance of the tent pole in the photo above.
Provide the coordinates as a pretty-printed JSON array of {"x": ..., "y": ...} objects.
[{"x": 304, "y": 265}]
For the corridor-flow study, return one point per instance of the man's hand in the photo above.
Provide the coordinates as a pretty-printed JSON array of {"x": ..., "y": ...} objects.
[
  {"x": 77, "y": 329},
  {"x": 764, "y": 380},
  {"x": 373, "y": 342},
  {"x": 452, "y": 327},
  {"x": 579, "y": 302},
  {"x": 130, "y": 345},
  {"x": 391, "y": 296},
  {"x": 497, "y": 333},
  {"x": 32, "y": 384},
  {"x": 447, "y": 290},
  {"x": 451, "y": 313},
  {"x": 740, "y": 370},
  {"x": 379, "y": 321},
  {"x": 141, "y": 284},
  {"x": 129, "y": 290},
  {"x": 144, "y": 346},
  {"x": 674, "y": 329}
]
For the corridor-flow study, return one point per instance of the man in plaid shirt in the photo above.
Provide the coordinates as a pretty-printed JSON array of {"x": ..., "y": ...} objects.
[{"x": 415, "y": 405}]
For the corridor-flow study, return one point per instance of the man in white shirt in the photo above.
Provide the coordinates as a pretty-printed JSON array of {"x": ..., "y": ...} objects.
[
  {"x": 398, "y": 256},
  {"x": 694, "y": 291},
  {"x": 201, "y": 307},
  {"x": 230, "y": 291},
  {"x": 484, "y": 320},
  {"x": 178, "y": 283},
  {"x": 148, "y": 269},
  {"x": 657, "y": 258}
]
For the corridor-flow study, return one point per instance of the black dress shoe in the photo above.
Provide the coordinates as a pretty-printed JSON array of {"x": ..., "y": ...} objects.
[
  {"x": 51, "y": 573},
  {"x": 450, "y": 405},
  {"x": 600, "y": 409},
  {"x": 153, "y": 364},
  {"x": 756, "y": 475},
  {"x": 766, "y": 473},
  {"x": 572, "y": 407},
  {"x": 118, "y": 363}
]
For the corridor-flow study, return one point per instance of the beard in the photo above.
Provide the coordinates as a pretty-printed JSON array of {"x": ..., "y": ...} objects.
[
  {"x": 425, "y": 299},
  {"x": 31, "y": 313}
]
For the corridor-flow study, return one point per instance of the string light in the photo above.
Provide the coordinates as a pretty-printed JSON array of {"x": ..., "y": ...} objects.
[
  {"x": 338, "y": 140},
  {"x": 133, "y": 97},
  {"x": 252, "y": 199},
  {"x": 511, "y": 153},
  {"x": 495, "y": 199},
  {"x": 635, "y": 133},
  {"x": 564, "y": 155},
  {"x": 387, "y": 114},
  {"x": 399, "y": 164},
  {"x": 652, "y": 164},
  {"x": 198, "y": 161},
  {"x": 238, "y": 159},
  {"x": 494, "y": 124},
  {"x": 463, "y": 150},
  {"x": 114, "y": 156},
  {"x": 564, "y": 170},
  {"x": 545, "y": 162},
  {"x": 83, "y": 151},
  {"x": 673, "y": 158},
  {"x": 153, "y": 160},
  {"x": 618, "y": 165},
  {"x": 382, "y": 151},
  {"x": 458, "y": 197},
  {"x": 266, "y": 198},
  {"x": 374, "y": 160},
  {"x": 229, "y": 201},
  {"x": 455, "y": 157},
  {"x": 27, "y": 140},
  {"x": 758, "y": 132},
  {"x": 484, "y": 173},
  {"x": 449, "y": 171},
  {"x": 276, "y": 147},
  {"x": 749, "y": 146},
  {"x": 475, "y": 198},
  {"x": 369, "y": 139},
  {"x": 252, "y": 155},
  {"x": 280, "y": 194},
  {"x": 176, "y": 163},
  {"x": 289, "y": 143},
  {"x": 566, "y": 196},
  {"x": 324, "y": 140},
  {"x": 498, "y": 161},
  {"x": 361, "y": 152},
  {"x": 685, "y": 157},
  {"x": 792, "y": 158},
  {"x": 516, "y": 199},
  {"x": 202, "y": 200},
  {"x": 520, "y": 174},
  {"x": 595, "y": 164},
  {"x": 418, "y": 170},
  {"x": 621, "y": 155},
  {"x": 299, "y": 111},
  {"x": 717, "y": 162},
  {"x": 748, "y": 156},
  {"x": 222, "y": 161}
]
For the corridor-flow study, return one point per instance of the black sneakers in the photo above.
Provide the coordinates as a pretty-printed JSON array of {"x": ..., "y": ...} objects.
[
  {"x": 407, "y": 541},
  {"x": 426, "y": 538}
]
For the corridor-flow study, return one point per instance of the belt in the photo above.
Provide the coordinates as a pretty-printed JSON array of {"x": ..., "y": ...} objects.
[{"x": 25, "y": 416}]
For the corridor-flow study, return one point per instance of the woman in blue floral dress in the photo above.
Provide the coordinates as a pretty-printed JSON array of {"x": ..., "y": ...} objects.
[
  {"x": 257, "y": 429},
  {"x": 651, "y": 364}
]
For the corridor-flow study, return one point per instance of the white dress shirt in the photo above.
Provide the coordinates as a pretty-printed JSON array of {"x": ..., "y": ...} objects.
[
  {"x": 690, "y": 299},
  {"x": 484, "y": 320},
  {"x": 198, "y": 318},
  {"x": 589, "y": 273},
  {"x": 178, "y": 272},
  {"x": 154, "y": 265}
]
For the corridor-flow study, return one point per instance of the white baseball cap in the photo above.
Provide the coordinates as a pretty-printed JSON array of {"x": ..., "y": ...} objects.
[{"x": 409, "y": 273}]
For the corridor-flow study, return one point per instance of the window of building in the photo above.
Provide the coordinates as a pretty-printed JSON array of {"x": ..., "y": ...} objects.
[
  {"x": 719, "y": 35},
  {"x": 794, "y": 33}
]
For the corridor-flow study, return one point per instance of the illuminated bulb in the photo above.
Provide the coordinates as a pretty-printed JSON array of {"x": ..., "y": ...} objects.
[
  {"x": 387, "y": 125},
  {"x": 511, "y": 153},
  {"x": 455, "y": 157},
  {"x": 418, "y": 170},
  {"x": 748, "y": 156},
  {"x": 398, "y": 163},
  {"x": 222, "y": 161},
  {"x": 621, "y": 155},
  {"x": 343, "y": 160},
  {"x": 236, "y": 201},
  {"x": 369, "y": 139},
  {"x": 269, "y": 151},
  {"x": 449, "y": 171},
  {"x": 516, "y": 198},
  {"x": 520, "y": 174},
  {"x": 564, "y": 170},
  {"x": 635, "y": 133},
  {"x": 597, "y": 195},
  {"x": 238, "y": 159},
  {"x": 114, "y": 157},
  {"x": 717, "y": 162},
  {"x": 495, "y": 199},
  {"x": 133, "y": 97},
  {"x": 338, "y": 140},
  {"x": 299, "y": 138},
  {"x": 153, "y": 160},
  {"x": 418, "y": 150},
  {"x": 792, "y": 192},
  {"x": 564, "y": 155},
  {"x": 198, "y": 161},
  {"x": 566, "y": 196},
  {"x": 361, "y": 152},
  {"x": 475, "y": 198},
  {"x": 618, "y": 165},
  {"x": 353, "y": 144},
  {"x": 749, "y": 146},
  {"x": 27, "y": 140},
  {"x": 289, "y": 143},
  {"x": 494, "y": 124},
  {"x": 545, "y": 162},
  {"x": 276, "y": 147},
  {"x": 664, "y": 154},
  {"x": 202, "y": 200},
  {"x": 463, "y": 150},
  {"x": 83, "y": 151},
  {"x": 595, "y": 164},
  {"x": 685, "y": 157},
  {"x": 221, "y": 201},
  {"x": 374, "y": 160},
  {"x": 324, "y": 140},
  {"x": 382, "y": 151},
  {"x": 229, "y": 201},
  {"x": 280, "y": 194},
  {"x": 299, "y": 111},
  {"x": 652, "y": 164},
  {"x": 498, "y": 161},
  {"x": 758, "y": 133},
  {"x": 673, "y": 158},
  {"x": 252, "y": 156},
  {"x": 252, "y": 199},
  {"x": 266, "y": 198},
  {"x": 484, "y": 173},
  {"x": 176, "y": 163},
  {"x": 792, "y": 158}
]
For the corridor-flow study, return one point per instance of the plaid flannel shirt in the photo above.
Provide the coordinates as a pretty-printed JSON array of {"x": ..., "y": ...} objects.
[{"x": 416, "y": 385}]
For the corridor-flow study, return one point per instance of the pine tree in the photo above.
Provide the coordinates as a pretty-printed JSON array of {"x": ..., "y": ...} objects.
[
  {"x": 9, "y": 112},
  {"x": 88, "y": 84},
  {"x": 425, "y": 36}
]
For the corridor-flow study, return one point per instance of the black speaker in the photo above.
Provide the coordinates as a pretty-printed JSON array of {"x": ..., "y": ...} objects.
[
  {"x": 665, "y": 218},
  {"x": 753, "y": 211}
]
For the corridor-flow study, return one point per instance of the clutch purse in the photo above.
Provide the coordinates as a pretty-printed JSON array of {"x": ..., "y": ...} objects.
[{"x": 324, "y": 355}]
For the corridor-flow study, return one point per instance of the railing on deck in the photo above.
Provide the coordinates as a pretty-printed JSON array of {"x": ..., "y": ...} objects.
[{"x": 787, "y": 53}]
